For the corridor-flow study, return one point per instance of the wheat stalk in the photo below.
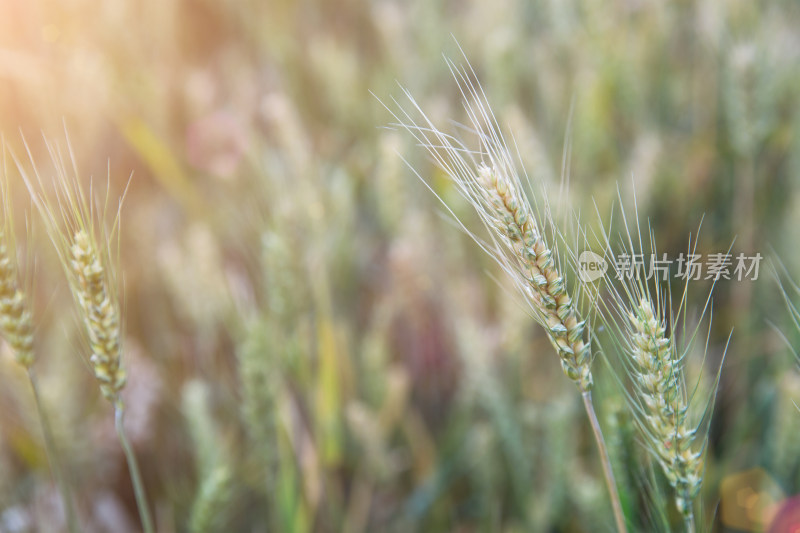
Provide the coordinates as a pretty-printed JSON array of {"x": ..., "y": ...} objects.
[
  {"x": 16, "y": 327},
  {"x": 78, "y": 227},
  {"x": 488, "y": 180}
]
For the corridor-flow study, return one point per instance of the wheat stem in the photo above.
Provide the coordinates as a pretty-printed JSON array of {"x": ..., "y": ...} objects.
[
  {"x": 53, "y": 457},
  {"x": 16, "y": 326},
  {"x": 608, "y": 473},
  {"x": 688, "y": 519},
  {"x": 133, "y": 467}
]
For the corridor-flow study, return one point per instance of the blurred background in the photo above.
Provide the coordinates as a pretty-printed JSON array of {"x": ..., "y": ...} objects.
[{"x": 311, "y": 345}]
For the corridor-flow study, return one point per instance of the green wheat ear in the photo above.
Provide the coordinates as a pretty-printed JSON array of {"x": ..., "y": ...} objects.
[
  {"x": 658, "y": 382},
  {"x": 652, "y": 339},
  {"x": 213, "y": 504},
  {"x": 488, "y": 179}
]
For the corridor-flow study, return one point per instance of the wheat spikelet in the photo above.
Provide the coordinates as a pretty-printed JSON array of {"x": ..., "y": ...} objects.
[
  {"x": 100, "y": 316},
  {"x": 16, "y": 323},
  {"x": 658, "y": 379}
]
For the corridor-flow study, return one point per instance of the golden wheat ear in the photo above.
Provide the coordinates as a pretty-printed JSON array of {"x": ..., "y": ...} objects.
[
  {"x": 488, "y": 179},
  {"x": 85, "y": 234},
  {"x": 100, "y": 316},
  {"x": 16, "y": 322}
]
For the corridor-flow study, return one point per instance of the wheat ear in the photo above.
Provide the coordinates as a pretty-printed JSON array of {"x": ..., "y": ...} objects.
[
  {"x": 100, "y": 317},
  {"x": 653, "y": 338},
  {"x": 100, "y": 314},
  {"x": 511, "y": 217},
  {"x": 658, "y": 379},
  {"x": 15, "y": 318},
  {"x": 487, "y": 179}
]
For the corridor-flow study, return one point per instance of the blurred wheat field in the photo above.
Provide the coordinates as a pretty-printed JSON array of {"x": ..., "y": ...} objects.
[{"x": 310, "y": 342}]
